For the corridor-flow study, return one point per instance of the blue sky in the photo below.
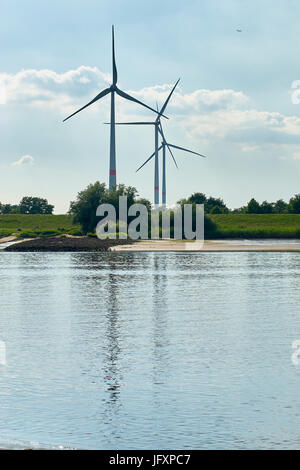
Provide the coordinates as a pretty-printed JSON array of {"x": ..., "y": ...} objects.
[{"x": 233, "y": 104}]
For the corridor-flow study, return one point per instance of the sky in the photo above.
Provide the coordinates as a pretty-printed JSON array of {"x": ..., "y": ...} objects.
[{"x": 238, "y": 100}]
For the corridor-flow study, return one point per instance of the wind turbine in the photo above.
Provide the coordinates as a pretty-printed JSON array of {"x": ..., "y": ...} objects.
[
  {"x": 157, "y": 126},
  {"x": 163, "y": 146},
  {"x": 112, "y": 90}
]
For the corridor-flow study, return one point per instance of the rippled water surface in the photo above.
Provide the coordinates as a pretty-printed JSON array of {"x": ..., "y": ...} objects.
[{"x": 149, "y": 350}]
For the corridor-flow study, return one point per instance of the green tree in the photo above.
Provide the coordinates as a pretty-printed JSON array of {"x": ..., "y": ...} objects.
[
  {"x": 35, "y": 205},
  {"x": 280, "y": 207},
  {"x": 87, "y": 201},
  {"x": 216, "y": 210},
  {"x": 84, "y": 208},
  {"x": 209, "y": 203},
  {"x": 240, "y": 210},
  {"x": 9, "y": 209},
  {"x": 112, "y": 196},
  {"x": 6, "y": 209},
  {"x": 266, "y": 207},
  {"x": 144, "y": 201},
  {"x": 212, "y": 202},
  {"x": 294, "y": 204},
  {"x": 253, "y": 207},
  {"x": 197, "y": 198}
]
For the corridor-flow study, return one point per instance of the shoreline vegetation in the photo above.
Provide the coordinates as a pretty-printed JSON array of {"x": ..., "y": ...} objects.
[
  {"x": 226, "y": 226},
  {"x": 256, "y": 226},
  {"x": 92, "y": 244},
  {"x": 33, "y": 219},
  {"x": 64, "y": 244}
]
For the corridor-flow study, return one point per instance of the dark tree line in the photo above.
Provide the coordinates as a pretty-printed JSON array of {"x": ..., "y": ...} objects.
[
  {"x": 214, "y": 205},
  {"x": 83, "y": 209},
  {"x": 28, "y": 205},
  {"x": 278, "y": 207}
]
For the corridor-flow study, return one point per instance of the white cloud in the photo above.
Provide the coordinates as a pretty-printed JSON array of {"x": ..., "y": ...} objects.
[
  {"x": 203, "y": 114},
  {"x": 2, "y": 93},
  {"x": 51, "y": 89},
  {"x": 250, "y": 148},
  {"x": 24, "y": 160},
  {"x": 200, "y": 101}
]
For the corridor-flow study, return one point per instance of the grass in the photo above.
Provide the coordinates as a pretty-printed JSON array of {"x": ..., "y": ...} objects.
[
  {"x": 228, "y": 225},
  {"x": 257, "y": 225},
  {"x": 22, "y": 225}
]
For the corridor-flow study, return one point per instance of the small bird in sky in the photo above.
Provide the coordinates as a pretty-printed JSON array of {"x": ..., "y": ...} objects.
[{"x": 238, "y": 30}]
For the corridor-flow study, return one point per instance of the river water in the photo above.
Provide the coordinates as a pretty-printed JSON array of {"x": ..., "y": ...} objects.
[{"x": 149, "y": 350}]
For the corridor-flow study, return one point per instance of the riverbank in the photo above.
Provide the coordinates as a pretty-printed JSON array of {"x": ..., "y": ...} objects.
[
  {"x": 64, "y": 244},
  {"x": 36, "y": 225},
  {"x": 208, "y": 246},
  {"x": 263, "y": 226},
  {"x": 74, "y": 244}
]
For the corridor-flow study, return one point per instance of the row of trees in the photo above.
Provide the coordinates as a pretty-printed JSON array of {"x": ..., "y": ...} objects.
[
  {"x": 278, "y": 207},
  {"x": 83, "y": 209},
  {"x": 212, "y": 205},
  {"x": 217, "y": 206},
  {"x": 28, "y": 205}
]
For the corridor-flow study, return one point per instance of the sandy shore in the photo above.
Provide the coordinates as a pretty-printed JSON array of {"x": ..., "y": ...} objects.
[
  {"x": 8, "y": 239},
  {"x": 93, "y": 244},
  {"x": 208, "y": 246}
]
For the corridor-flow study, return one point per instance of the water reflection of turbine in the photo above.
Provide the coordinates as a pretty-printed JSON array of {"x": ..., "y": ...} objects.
[
  {"x": 112, "y": 371},
  {"x": 160, "y": 326},
  {"x": 101, "y": 288}
]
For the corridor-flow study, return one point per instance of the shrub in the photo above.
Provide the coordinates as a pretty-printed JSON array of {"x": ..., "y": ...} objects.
[
  {"x": 27, "y": 234},
  {"x": 75, "y": 232},
  {"x": 91, "y": 235},
  {"x": 49, "y": 233},
  {"x": 216, "y": 210}
]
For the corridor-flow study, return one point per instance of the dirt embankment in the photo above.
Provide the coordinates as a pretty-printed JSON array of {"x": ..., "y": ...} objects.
[{"x": 66, "y": 244}]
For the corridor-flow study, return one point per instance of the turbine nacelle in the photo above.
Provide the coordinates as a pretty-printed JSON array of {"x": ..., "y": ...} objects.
[{"x": 113, "y": 88}]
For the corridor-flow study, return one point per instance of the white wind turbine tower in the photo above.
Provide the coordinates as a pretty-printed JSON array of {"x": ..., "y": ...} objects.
[
  {"x": 112, "y": 90},
  {"x": 163, "y": 146},
  {"x": 157, "y": 126}
]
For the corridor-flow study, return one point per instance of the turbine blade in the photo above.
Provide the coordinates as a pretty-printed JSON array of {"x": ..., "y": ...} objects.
[
  {"x": 160, "y": 130},
  {"x": 172, "y": 155},
  {"x": 166, "y": 143},
  {"x": 130, "y": 98},
  {"x": 168, "y": 99},
  {"x": 151, "y": 156},
  {"x": 186, "y": 150},
  {"x": 98, "y": 97},
  {"x": 140, "y": 123},
  {"x": 115, "y": 73}
]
